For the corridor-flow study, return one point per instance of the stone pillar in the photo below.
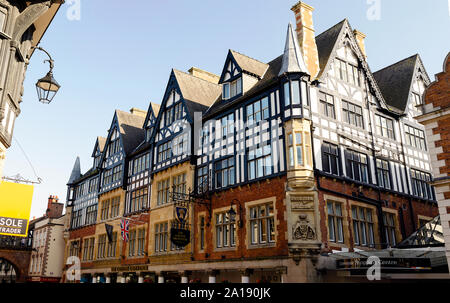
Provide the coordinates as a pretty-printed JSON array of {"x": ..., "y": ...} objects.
[
  {"x": 245, "y": 275},
  {"x": 141, "y": 278},
  {"x": 160, "y": 278},
  {"x": 282, "y": 272},
  {"x": 185, "y": 276},
  {"x": 212, "y": 276},
  {"x": 94, "y": 279},
  {"x": 108, "y": 279}
]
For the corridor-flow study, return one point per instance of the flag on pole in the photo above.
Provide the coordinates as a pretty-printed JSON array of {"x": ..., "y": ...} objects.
[
  {"x": 109, "y": 232},
  {"x": 124, "y": 225}
]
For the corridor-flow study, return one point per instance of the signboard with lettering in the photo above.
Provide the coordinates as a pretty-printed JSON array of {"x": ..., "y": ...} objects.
[
  {"x": 386, "y": 263},
  {"x": 180, "y": 237},
  {"x": 15, "y": 207},
  {"x": 302, "y": 202},
  {"x": 129, "y": 268}
]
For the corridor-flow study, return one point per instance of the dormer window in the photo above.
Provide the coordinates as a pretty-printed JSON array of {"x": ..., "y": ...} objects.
[{"x": 232, "y": 89}]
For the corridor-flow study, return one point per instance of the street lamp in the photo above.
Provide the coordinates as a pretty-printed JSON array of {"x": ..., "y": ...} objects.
[
  {"x": 47, "y": 87},
  {"x": 232, "y": 213}
]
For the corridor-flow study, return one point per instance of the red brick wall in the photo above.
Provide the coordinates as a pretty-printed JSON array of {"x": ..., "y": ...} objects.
[
  {"x": 82, "y": 232},
  {"x": 256, "y": 191},
  {"x": 138, "y": 221},
  {"x": 437, "y": 94},
  {"x": 444, "y": 130},
  {"x": 394, "y": 202},
  {"x": 20, "y": 260}
]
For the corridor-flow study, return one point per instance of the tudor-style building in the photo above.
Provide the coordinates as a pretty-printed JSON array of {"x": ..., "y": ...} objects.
[
  {"x": 81, "y": 210},
  {"x": 275, "y": 163}
]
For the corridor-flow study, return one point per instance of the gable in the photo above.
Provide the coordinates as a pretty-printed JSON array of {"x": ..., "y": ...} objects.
[
  {"x": 338, "y": 41},
  {"x": 113, "y": 151},
  {"x": 396, "y": 81},
  {"x": 230, "y": 70}
]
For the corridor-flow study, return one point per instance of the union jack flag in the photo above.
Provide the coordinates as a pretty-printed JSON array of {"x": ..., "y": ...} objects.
[{"x": 124, "y": 225}]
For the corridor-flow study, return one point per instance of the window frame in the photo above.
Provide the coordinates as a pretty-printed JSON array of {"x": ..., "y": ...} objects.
[
  {"x": 385, "y": 129},
  {"x": 225, "y": 230},
  {"x": 383, "y": 173},
  {"x": 258, "y": 236},
  {"x": 363, "y": 226},
  {"x": 224, "y": 169},
  {"x": 327, "y": 157},
  {"x": 353, "y": 160},
  {"x": 256, "y": 162},
  {"x": 351, "y": 115},
  {"x": 327, "y": 108},
  {"x": 337, "y": 222}
]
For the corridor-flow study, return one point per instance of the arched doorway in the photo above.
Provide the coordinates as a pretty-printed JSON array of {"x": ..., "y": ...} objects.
[{"x": 7, "y": 271}]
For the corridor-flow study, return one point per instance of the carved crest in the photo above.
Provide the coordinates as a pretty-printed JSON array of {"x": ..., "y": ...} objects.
[{"x": 303, "y": 230}]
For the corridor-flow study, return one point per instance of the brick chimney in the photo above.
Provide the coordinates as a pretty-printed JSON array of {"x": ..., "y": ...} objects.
[
  {"x": 306, "y": 37},
  {"x": 202, "y": 74},
  {"x": 360, "y": 39},
  {"x": 138, "y": 112},
  {"x": 54, "y": 209}
]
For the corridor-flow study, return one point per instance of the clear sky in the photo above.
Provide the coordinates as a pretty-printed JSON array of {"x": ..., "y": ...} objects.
[{"x": 119, "y": 55}]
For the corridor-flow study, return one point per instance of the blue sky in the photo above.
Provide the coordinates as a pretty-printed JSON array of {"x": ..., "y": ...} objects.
[{"x": 120, "y": 56}]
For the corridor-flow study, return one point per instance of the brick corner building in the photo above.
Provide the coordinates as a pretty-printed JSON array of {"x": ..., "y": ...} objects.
[{"x": 436, "y": 118}]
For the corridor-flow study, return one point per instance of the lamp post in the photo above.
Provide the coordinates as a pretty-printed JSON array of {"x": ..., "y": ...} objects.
[{"x": 47, "y": 87}]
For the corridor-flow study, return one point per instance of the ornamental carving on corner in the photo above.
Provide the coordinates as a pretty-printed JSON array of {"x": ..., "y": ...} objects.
[{"x": 303, "y": 230}]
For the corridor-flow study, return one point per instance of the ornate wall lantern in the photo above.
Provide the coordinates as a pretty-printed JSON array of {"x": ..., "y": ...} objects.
[{"x": 47, "y": 87}]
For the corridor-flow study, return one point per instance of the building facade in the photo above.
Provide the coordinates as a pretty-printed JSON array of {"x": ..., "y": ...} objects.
[
  {"x": 268, "y": 165},
  {"x": 48, "y": 244},
  {"x": 22, "y": 26},
  {"x": 435, "y": 117}
]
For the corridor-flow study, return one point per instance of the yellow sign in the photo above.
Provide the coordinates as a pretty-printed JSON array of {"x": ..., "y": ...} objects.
[{"x": 15, "y": 207}]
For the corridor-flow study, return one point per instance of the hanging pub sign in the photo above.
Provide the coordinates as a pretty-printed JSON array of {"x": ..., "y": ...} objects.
[
  {"x": 181, "y": 214},
  {"x": 15, "y": 207},
  {"x": 180, "y": 236}
]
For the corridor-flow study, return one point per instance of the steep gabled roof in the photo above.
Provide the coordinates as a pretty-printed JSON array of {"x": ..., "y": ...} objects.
[
  {"x": 292, "y": 61},
  {"x": 100, "y": 144},
  {"x": 155, "y": 108},
  {"x": 328, "y": 41},
  {"x": 197, "y": 93},
  {"x": 395, "y": 81},
  {"x": 130, "y": 127},
  {"x": 325, "y": 43},
  {"x": 249, "y": 65}
]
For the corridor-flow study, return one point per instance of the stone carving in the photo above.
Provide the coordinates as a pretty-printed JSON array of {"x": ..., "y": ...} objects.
[
  {"x": 302, "y": 202},
  {"x": 27, "y": 17},
  {"x": 303, "y": 230}
]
